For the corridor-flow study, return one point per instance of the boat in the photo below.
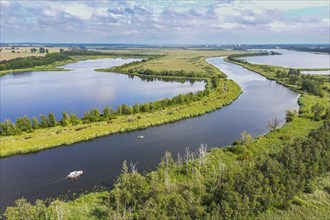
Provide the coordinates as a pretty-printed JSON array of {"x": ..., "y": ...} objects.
[
  {"x": 75, "y": 174},
  {"x": 140, "y": 137}
]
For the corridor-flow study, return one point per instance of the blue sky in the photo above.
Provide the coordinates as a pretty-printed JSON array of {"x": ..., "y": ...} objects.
[{"x": 165, "y": 22}]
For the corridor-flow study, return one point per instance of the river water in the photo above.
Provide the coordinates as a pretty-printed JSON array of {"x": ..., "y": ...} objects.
[
  {"x": 81, "y": 89},
  {"x": 293, "y": 59},
  {"x": 42, "y": 174}
]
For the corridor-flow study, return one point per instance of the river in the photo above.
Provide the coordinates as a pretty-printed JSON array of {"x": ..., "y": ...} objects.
[
  {"x": 42, "y": 174},
  {"x": 81, "y": 89},
  {"x": 292, "y": 59}
]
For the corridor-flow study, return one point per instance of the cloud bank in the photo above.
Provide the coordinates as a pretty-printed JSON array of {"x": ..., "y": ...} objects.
[{"x": 155, "y": 22}]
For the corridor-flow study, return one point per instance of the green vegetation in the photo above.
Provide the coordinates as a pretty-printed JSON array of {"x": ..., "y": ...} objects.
[
  {"x": 176, "y": 62},
  {"x": 8, "y": 128},
  {"x": 291, "y": 78},
  {"x": 50, "y": 133},
  {"x": 311, "y": 205},
  {"x": 52, "y": 60},
  {"x": 28, "y": 62},
  {"x": 106, "y": 124},
  {"x": 271, "y": 176},
  {"x": 236, "y": 182}
]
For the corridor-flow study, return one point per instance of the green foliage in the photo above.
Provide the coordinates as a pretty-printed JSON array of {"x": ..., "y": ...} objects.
[
  {"x": 74, "y": 119},
  {"x": 27, "y": 62},
  {"x": 51, "y": 120},
  {"x": 311, "y": 86},
  {"x": 201, "y": 186},
  {"x": 65, "y": 119},
  {"x": 290, "y": 115},
  {"x": 43, "y": 121},
  {"x": 317, "y": 111},
  {"x": 8, "y": 128},
  {"x": 91, "y": 116},
  {"x": 108, "y": 113},
  {"x": 42, "y": 50},
  {"x": 24, "y": 124},
  {"x": 35, "y": 123},
  {"x": 290, "y": 77}
]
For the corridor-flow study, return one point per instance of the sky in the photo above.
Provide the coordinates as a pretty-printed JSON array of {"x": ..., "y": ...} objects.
[{"x": 165, "y": 22}]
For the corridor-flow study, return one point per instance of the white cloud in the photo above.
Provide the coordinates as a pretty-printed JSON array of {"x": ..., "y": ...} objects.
[
  {"x": 79, "y": 10},
  {"x": 166, "y": 21}
]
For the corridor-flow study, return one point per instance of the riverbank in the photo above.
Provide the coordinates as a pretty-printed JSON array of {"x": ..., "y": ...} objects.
[
  {"x": 215, "y": 184},
  {"x": 173, "y": 179},
  {"x": 55, "y": 136},
  {"x": 50, "y": 137},
  {"x": 56, "y": 66}
]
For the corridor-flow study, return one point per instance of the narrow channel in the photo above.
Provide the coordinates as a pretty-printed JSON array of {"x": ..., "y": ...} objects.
[{"x": 41, "y": 175}]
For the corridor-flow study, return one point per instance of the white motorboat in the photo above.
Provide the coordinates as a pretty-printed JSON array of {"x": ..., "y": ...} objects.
[
  {"x": 140, "y": 137},
  {"x": 75, "y": 174}
]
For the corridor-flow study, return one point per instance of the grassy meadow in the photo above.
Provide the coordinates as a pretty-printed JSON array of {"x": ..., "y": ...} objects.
[
  {"x": 189, "y": 60},
  {"x": 7, "y": 53}
]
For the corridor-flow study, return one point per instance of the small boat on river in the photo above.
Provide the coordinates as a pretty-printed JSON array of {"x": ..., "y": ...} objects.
[
  {"x": 140, "y": 136},
  {"x": 75, "y": 174}
]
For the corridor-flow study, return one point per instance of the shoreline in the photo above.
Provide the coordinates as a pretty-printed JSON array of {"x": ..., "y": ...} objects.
[{"x": 57, "y": 136}]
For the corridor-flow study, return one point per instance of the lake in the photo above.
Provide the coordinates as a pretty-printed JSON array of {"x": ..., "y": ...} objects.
[
  {"x": 81, "y": 89},
  {"x": 42, "y": 174},
  {"x": 293, "y": 59}
]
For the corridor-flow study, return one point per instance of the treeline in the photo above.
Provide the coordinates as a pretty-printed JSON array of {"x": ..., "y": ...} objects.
[
  {"x": 305, "y": 82},
  {"x": 84, "y": 52},
  {"x": 200, "y": 186},
  {"x": 257, "y": 53},
  {"x": 163, "y": 79},
  {"x": 25, "y": 124},
  {"x": 170, "y": 73},
  {"x": 308, "y": 83},
  {"x": 28, "y": 62},
  {"x": 314, "y": 48},
  {"x": 175, "y": 73}
]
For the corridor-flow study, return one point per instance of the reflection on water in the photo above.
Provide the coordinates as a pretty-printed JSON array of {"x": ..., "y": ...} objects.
[{"x": 82, "y": 89}]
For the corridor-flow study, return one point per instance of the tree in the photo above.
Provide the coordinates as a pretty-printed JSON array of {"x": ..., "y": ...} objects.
[
  {"x": 290, "y": 115},
  {"x": 8, "y": 128},
  {"x": 42, "y": 50},
  {"x": 65, "y": 119},
  {"x": 274, "y": 123},
  {"x": 74, "y": 119},
  {"x": 311, "y": 86},
  {"x": 317, "y": 111},
  {"x": 119, "y": 110},
  {"x": 43, "y": 121},
  {"x": 35, "y": 123},
  {"x": 24, "y": 124},
  {"x": 47, "y": 51},
  {"x": 136, "y": 108},
  {"x": 246, "y": 137},
  {"x": 108, "y": 112},
  {"x": 92, "y": 116},
  {"x": 23, "y": 210},
  {"x": 61, "y": 50},
  {"x": 52, "y": 120}
]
